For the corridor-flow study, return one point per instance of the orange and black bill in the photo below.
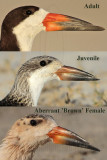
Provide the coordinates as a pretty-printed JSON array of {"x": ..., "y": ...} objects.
[
  {"x": 60, "y": 135},
  {"x": 59, "y": 22},
  {"x": 67, "y": 73}
]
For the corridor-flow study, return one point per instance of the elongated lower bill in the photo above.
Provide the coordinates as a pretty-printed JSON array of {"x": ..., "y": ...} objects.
[
  {"x": 59, "y": 22},
  {"x": 60, "y": 135},
  {"x": 67, "y": 73}
]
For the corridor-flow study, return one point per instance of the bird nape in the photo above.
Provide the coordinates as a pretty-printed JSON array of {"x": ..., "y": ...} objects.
[
  {"x": 21, "y": 25},
  {"x": 29, "y": 132},
  {"x": 32, "y": 76}
]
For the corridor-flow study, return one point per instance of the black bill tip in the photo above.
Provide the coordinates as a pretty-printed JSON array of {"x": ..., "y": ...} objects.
[
  {"x": 99, "y": 28},
  {"x": 93, "y": 79},
  {"x": 94, "y": 28},
  {"x": 82, "y": 145},
  {"x": 96, "y": 79},
  {"x": 92, "y": 148}
]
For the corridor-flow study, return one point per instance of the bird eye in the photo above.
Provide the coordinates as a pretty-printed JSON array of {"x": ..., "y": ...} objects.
[
  {"x": 33, "y": 123},
  {"x": 28, "y": 12},
  {"x": 43, "y": 63}
]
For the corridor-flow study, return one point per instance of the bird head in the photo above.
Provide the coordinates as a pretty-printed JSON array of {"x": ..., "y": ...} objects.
[
  {"x": 27, "y": 21},
  {"x": 34, "y": 130},
  {"x": 34, "y": 73},
  {"x": 45, "y": 68},
  {"x": 33, "y": 16}
]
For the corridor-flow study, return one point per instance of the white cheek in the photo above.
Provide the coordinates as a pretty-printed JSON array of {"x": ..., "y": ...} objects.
[
  {"x": 26, "y": 30},
  {"x": 43, "y": 130},
  {"x": 40, "y": 15},
  {"x": 37, "y": 18}
]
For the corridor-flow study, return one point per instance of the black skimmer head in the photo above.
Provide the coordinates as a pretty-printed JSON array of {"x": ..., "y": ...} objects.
[
  {"x": 22, "y": 24},
  {"x": 32, "y": 76},
  {"x": 28, "y": 133}
]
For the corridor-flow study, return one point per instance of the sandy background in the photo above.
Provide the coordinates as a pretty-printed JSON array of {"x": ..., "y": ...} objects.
[
  {"x": 92, "y": 127},
  {"x": 59, "y": 92},
  {"x": 66, "y": 41}
]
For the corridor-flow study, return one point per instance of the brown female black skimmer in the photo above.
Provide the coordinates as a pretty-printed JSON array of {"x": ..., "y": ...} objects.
[
  {"x": 34, "y": 73},
  {"x": 22, "y": 24},
  {"x": 28, "y": 133}
]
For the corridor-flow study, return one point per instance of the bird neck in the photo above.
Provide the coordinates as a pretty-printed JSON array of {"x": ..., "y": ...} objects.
[
  {"x": 35, "y": 87},
  {"x": 18, "y": 39},
  {"x": 24, "y": 93},
  {"x": 19, "y": 94},
  {"x": 17, "y": 146},
  {"x": 16, "y": 99},
  {"x": 13, "y": 153},
  {"x": 25, "y": 35},
  {"x": 11, "y": 150},
  {"x": 8, "y": 40}
]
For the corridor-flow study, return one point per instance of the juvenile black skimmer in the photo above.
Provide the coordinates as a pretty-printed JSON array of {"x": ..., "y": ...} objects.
[
  {"x": 22, "y": 24},
  {"x": 28, "y": 133},
  {"x": 34, "y": 73}
]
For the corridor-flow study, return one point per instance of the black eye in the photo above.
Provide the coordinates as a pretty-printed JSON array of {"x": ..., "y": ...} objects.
[
  {"x": 28, "y": 12},
  {"x": 43, "y": 63},
  {"x": 33, "y": 123}
]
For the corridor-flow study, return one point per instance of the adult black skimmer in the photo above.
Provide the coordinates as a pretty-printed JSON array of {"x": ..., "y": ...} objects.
[
  {"x": 28, "y": 133},
  {"x": 22, "y": 24},
  {"x": 34, "y": 73}
]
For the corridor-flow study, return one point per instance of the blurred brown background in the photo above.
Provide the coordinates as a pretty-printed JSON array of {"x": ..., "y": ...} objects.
[
  {"x": 91, "y": 127},
  {"x": 59, "y": 92},
  {"x": 66, "y": 41}
]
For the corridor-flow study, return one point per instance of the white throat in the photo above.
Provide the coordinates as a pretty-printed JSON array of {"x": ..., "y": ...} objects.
[
  {"x": 26, "y": 30},
  {"x": 35, "y": 89},
  {"x": 39, "y": 77},
  {"x": 36, "y": 83}
]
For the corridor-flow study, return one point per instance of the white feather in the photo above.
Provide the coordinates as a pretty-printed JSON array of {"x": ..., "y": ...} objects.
[
  {"x": 26, "y": 30},
  {"x": 39, "y": 78}
]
